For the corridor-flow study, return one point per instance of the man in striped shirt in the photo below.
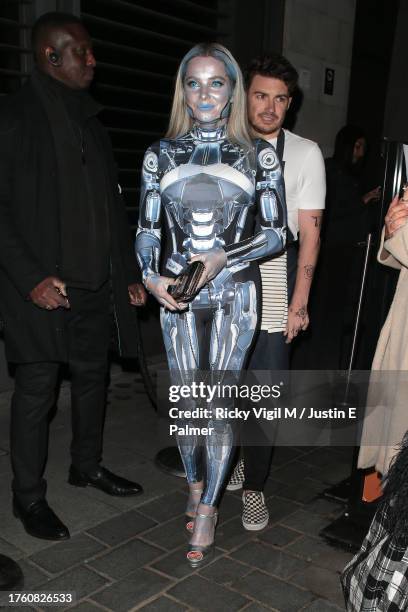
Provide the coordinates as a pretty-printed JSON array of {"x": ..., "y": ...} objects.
[{"x": 286, "y": 279}]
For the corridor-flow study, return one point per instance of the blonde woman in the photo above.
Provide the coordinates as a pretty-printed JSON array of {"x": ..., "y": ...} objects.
[{"x": 219, "y": 199}]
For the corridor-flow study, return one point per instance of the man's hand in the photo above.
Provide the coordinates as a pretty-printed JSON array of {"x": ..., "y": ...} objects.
[
  {"x": 51, "y": 293},
  {"x": 396, "y": 216},
  {"x": 298, "y": 320},
  {"x": 157, "y": 285},
  {"x": 137, "y": 294}
]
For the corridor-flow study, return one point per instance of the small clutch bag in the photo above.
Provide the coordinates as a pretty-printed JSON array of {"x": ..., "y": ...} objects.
[{"x": 185, "y": 288}]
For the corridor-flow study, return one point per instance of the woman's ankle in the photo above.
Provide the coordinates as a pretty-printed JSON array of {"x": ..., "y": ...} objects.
[{"x": 206, "y": 509}]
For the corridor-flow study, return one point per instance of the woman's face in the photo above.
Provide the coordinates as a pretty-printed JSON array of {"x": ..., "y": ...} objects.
[
  {"x": 207, "y": 88},
  {"x": 359, "y": 149}
]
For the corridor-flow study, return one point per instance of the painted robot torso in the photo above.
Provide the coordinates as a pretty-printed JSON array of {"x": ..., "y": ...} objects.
[{"x": 210, "y": 194}]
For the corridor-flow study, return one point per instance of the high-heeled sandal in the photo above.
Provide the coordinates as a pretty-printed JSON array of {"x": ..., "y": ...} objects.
[
  {"x": 189, "y": 520},
  {"x": 190, "y": 523},
  {"x": 196, "y": 553}
]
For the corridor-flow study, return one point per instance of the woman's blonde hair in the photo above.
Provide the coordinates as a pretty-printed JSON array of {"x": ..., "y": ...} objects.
[{"x": 237, "y": 126}]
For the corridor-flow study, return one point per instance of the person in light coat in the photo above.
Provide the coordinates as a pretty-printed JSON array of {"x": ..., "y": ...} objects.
[{"x": 386, "y": 419}]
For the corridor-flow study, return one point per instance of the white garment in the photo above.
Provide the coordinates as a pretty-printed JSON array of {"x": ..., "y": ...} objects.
[{"x": 305, "y": 185}]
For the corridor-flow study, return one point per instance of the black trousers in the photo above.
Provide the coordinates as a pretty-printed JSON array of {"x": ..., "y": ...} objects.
[
  {"x": 87, "y": 330},
  {"x": 270, "y": 353}
]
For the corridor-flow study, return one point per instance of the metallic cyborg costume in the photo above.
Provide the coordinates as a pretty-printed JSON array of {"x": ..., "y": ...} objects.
[{"x": 211, "y": 194}]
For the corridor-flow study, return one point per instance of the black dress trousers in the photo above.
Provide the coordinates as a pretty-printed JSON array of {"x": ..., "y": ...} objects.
[{"x": 87, "y": 333}]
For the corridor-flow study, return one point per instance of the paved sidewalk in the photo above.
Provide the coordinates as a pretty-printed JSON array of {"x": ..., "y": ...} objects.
[{"x": 128, "y": 554}]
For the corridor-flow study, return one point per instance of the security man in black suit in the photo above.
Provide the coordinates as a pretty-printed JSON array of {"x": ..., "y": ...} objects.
[{"x": 65, "y": 257}]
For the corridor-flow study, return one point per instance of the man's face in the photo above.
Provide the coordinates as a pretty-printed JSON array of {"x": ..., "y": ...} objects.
[
  {"x": 77, "y": 59},
  {"x": 268, "y": 101},
  {"x": 207, "y": 88}
]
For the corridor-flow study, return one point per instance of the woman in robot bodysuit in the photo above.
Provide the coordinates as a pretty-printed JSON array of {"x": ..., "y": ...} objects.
[{"x": 218, "y": 198}]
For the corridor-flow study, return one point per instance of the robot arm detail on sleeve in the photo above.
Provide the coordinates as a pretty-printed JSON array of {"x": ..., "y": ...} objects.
[
  {"x": 148, "y": 235},
  {"x": 272, "y": 213}
]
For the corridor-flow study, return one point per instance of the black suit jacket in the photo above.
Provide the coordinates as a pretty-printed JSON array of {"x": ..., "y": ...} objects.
[{"x": 29, "y": 234}]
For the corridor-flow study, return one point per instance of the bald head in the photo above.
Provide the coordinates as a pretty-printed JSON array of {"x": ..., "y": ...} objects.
[
  {"x": 47, "y": 27},
  {"x": 63, "y": 49}
]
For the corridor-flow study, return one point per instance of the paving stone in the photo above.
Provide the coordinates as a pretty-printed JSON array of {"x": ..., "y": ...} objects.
[
  {"x": 273, "y": 592},
  {"x": 278, "y": 536},
  {"x": 122, "y": 527},
  {"x": 321, "y": 605},
  {"x": 345, "y": 451},
  {"x": 294, "y": 472},
  {"x": 165, "y": 507},
  {"x": 164, "y": 604},
  {"x": 77, "y": 507},
  {"x": 7, "y": 549},
  {"x": 256, "y": 607},
  {"x": 207, "y": 596},
  {"x": 125, "y": 559},
  {"x": 33, "y": 576},
  {"x": 170, "y": 535},
  {"x": 230, "y": 506},
  {"x": 21, "y": 608},
  {"x": 79, "y": 579},
  {"x": 175, "y": 564},
  {"x": 225, "y": 571},
  {"x": 231, "y": 534},
  {"x": 268, "y": 559},
  {"x": 284, "y": 454},
  {"x": 272, "y": 487},
  {"x": 321, "y": 457},
  {"x": 306, "y": 522},
  {"x": 63, "y": 555},
  {"x": 86, "y": 606},
  {"x": 279, "y": 508},
  {"x": 320, "y": 553},
  {"x": 137, "y": 468},
  {"x": 332, "y": 474},
  {"x": 325, "y": 507},
  {"x": 304, "y": 491},
  {"x": 132, "y": 590},
  {"x": 322, "y": 582}
]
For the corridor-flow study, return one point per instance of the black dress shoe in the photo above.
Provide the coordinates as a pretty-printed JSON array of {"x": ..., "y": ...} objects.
[
  {"x": 40, "y": 521},
  {"x": 104, "y": 480}
]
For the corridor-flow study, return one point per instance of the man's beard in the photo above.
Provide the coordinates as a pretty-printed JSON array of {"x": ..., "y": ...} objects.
[{"x": 270, "y": 129}]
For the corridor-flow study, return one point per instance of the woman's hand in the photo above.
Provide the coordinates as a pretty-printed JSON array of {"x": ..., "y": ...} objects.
[
  {"x": 372, "y": 196},
  {"x": 157, "y": 285},
  {"x": 214, "y": 261},
  {"x": 396, "y": 216}
]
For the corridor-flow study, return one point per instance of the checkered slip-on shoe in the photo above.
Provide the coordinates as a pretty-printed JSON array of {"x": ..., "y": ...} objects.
[
  {"x": 237, "y": 478},
  {"x": 255, "y": 515}
]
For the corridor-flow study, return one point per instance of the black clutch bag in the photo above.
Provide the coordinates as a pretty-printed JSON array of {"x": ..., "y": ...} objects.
[{"x": 185, "y": 288}]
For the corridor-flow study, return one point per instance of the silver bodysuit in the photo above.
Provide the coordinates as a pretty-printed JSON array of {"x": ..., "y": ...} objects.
[{"x": 210, "y": 193}]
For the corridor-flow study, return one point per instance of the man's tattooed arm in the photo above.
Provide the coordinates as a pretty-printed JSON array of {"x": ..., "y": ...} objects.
[
  {"x": 309, "y": 241},
  {"x": 309, "y": 271},
  {"x": 301, "y": 312}
]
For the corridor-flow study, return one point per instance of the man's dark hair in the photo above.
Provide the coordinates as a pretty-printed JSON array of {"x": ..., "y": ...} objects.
[
  {"x": 48, "y": 22},
  {"x": 274, "y": 66}
]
